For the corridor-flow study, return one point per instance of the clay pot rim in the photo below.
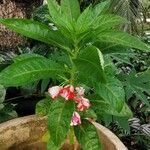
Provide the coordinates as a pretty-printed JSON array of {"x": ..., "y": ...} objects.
[
  {"x": 111, "y": 136},
  {"x": 103, "y": 131}
]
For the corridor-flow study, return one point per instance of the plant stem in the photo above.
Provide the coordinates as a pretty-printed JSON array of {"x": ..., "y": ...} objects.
[
  {"x": 75, "y": 54},
  {"x": 73, "y": 71},
  {"x": 72, "y": 75},
  {"x": 71, "y": 136}
]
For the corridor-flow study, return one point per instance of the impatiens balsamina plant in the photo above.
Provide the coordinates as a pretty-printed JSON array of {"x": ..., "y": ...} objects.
[{"x": 85, "y": 39}]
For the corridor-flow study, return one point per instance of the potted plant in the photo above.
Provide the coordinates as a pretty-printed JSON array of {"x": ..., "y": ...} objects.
[{"x": 87, "y": 86}]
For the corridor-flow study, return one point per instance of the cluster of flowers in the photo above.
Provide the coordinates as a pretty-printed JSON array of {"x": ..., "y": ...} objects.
[{"x": 68, "y": 92}]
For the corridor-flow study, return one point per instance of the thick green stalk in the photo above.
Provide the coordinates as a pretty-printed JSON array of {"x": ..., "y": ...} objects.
[{"x": 75, "y": 54}]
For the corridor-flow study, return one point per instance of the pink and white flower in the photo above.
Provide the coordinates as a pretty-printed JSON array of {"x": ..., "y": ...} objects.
[
  {"x": 80, "y": 91},
  {"x": 67, "y": 92},
  {"x": 54, "y": 91},
  {"x": 83, "y": 104},
  {"x": 76, "y": 120}
]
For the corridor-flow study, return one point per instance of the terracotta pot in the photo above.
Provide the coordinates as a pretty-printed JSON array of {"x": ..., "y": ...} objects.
[{"x": 21, "y": 133}]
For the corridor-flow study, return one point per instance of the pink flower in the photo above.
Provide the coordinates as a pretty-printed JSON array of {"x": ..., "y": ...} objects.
[
  {"x": 76, "y": 120},
  {"x": 54, "y": 91},
  {"x": 83, "y": 104},
  {"x": 80, "y": 91},
  {"x": 67, "y": 92}
]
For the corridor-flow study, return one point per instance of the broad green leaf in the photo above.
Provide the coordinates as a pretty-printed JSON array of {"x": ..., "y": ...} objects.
[
  {"x": 100, "y": 106},
  {"x": 90, "y": 64},
  {"x": 61, "y": 58},
  {"x": 122, "y": 38},
  {"x": 44, "y": 84},
  {"x": 42, "y": 107},
  {"x": 71, "y": 9},
  {"x": 89, "y": 113},
  {"x": 105, "y": 22},
  {"x": 123, "y": 123},
  {"x": 2, "y": 94},
  {"x": 112, "y": 92},
  {"x": 60, "y": 19},
  {"x": 54, "y": 8},
  {"x": 84, "y": 20},
  {"x": 29, "y": 89},
  {"x": 52, "y": 146},
  {"x": 120, "y": 54},
  {"x": 125, "y": 112},
  {"x": 90, "y": 16},
  {"x": 56, "y": 15},
  {"x": 136, "y": 84},
  {"x": 59, "y": 120},
  {"x": 110, "y": 68},
  {"x": 87, "y": 136},
  {"x": 146, "y": 74},
  {"x": 7, "y": 113},
  {"x": 101, "y": 8},
  {"x": 37, "y": 31},
  {"x": 29, "y": 70},
  {"x": 26, "y": 56},
  {"x": 1, "y": 106}
]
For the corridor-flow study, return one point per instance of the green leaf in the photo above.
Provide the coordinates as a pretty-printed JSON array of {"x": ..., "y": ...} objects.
[
  {"x": 42, "y": 107},
  {"x": 1, "y": 106},
  {"x": 59, "y": 120},
  {"x": 26, "y": 56},
  {"x": 54, "y": 8},
  {"x": 112, "y": 92},
  {"x": 44, "y": 84},
  {"x": 90, "y": 64},
  {"x": 37, "y": 31},
  {"x": 105, "y": 22},
  {"x": 101, "y": 8},
  {"x": 2, "y": 94},
  {"x": 122, "y": 38},
  {"x": 123, "y": 123},
  {"x": 7, "y": 113},
  {"x": 125, "y": 112},
  {"x": 71, "y": 9},
  {"x": 84, "y": 20},
  {"x": 29, "y": 89},
  {"x": 136, "y": 84},
  {"x": 89, "y": 113},
  {"x": 110, "y": 68},
  {"x": 100, "y": 106},
  {"x": 87, "y": 136},
  {"x": 52, "y": 146},
  {"x": 29, "y": 70},
  {"x": 60, "y": 19},
  {"x": 120, "y": 54}
]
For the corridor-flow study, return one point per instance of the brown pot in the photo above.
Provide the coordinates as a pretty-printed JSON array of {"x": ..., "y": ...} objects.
[{"x": 21, "y": 133}]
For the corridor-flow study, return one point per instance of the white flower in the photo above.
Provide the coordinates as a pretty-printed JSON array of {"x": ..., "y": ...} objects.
[{"x": 54, "y": 91}]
